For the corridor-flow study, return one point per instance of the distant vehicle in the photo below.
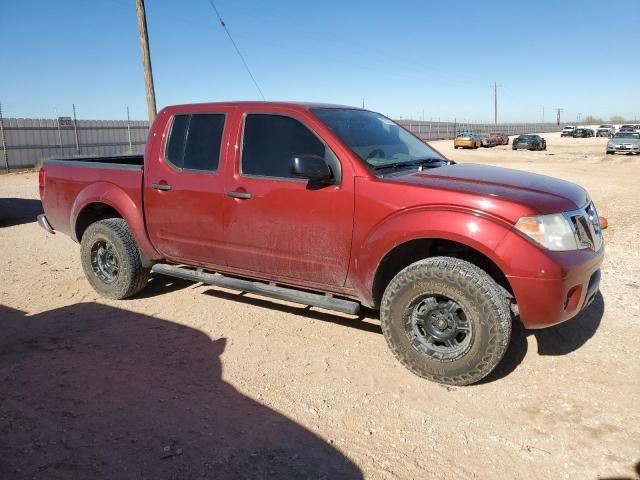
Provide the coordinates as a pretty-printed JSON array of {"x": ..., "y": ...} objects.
[
  {"x": 467, "y": 140},
  {"x": 500, "y": 138},
  {"x": 529, "y": 142},
  {"x": 624, "y": 142},
  {"x": 486, "y": 140},
  {"x": 629, "y": 128},
  {"x": 606, "y": 130},
  {"x": 568, "y": 131},
  {"x": 582, "y": 133}
]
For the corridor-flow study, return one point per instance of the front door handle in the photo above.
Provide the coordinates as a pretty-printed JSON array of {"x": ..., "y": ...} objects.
[
  {"x": 240, "y": 195},
  {"x": 161, "y": 186}
]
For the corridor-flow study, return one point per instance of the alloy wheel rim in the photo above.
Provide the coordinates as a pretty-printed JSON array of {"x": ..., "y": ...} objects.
[
  {"x": 104, "y": 261},
  {"x": 438, "y": 327}
]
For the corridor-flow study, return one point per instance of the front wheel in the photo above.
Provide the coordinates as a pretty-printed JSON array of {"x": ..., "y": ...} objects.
[
  {"x": 110, "y": 259},
  {"x": 446, "y": 320}
]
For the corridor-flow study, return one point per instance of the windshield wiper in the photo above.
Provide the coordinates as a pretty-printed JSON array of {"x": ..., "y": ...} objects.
[{"x": 413, "y": 163}]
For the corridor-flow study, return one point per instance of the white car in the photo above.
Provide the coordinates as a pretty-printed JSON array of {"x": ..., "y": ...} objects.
[{"x": 568, "y": 131}]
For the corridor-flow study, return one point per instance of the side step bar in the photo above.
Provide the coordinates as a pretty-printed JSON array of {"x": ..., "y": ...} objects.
[{"x": 268, "y": 290}]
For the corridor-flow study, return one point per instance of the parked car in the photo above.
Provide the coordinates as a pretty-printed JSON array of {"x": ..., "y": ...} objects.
[
  {"x": 467, "y": 140},
  {"x": 624, "y": 142},
  {"x": 335, "y": 207},
  {"x": 487, "y": 140},
  {"x": 606, "y": 130},
  {"x": 530, "y": 142},
  {"x": 500, "y": 138},
  {"x": 568, "y": 131},
  {"x": 582, "y": 132},
  {"x": 629, "y": 128}
]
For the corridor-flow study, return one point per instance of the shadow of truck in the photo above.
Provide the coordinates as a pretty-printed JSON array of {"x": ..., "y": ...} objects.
[{"x": 91, "y": 391}]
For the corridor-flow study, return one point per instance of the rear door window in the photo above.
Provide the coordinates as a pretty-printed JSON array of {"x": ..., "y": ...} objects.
[{"x": 195, "y": 141}]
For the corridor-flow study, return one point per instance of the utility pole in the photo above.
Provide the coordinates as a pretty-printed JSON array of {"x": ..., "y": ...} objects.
[
  {"x": 495, "y": 103},
  {"x": 146, "y": 60},
  {"x": 542, "y": 113},
  {"x": 363, "y": 103},
  {"x": 558, "y": 112}
]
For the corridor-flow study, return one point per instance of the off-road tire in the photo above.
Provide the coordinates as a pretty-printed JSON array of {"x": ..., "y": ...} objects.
[
  {"x": 131, "y": 277},
  {"x": 483, "y": 301}
]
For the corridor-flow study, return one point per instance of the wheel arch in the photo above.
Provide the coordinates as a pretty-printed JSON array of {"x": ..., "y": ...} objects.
[
  {"x": 105, "y": 200},
  {"x": 396, "y": 243},
  {"x": 403, "y": 255}
]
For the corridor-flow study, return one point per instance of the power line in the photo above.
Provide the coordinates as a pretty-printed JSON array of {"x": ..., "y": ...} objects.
[{"x": 244, "y": 62}]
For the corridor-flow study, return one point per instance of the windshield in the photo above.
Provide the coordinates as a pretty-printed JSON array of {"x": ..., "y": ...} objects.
[
  {"x": 374, "y": 138},
  {"x": 628, "y": 135},
  {"x": 605, "y": 126}
]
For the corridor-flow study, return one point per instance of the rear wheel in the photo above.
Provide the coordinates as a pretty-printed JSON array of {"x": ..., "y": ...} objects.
[
  {"x": 446, "y": 320},
  {"x": 111, "y": 261}
]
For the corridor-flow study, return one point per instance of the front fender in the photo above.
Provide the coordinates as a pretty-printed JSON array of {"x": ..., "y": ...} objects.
[
  {"x": 117, "y": 198},
  {"x": 476, "y": 230}
]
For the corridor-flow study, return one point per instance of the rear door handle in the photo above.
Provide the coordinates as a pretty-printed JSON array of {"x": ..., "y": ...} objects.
[
  {"x": 161, "y": 186},
  {"x": 240, "y": 195}
]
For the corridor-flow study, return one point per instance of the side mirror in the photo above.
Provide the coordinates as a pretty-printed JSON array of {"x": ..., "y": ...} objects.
[{"x": 311, "y": 167}]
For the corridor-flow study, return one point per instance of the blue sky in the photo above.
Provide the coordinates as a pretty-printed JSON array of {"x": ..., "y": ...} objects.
[{"x": 403, "y": 57}]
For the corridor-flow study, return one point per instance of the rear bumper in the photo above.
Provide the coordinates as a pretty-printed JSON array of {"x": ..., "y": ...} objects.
[
  {"x": 551, "y": 287},
  {"x": 44, "y": 223}
]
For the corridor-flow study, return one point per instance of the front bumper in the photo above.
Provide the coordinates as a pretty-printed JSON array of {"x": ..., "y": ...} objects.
[
  {"x": 44, "y": 223},
  {"x": 550, "y": 287},
  {"x": 623, "y": 150}
]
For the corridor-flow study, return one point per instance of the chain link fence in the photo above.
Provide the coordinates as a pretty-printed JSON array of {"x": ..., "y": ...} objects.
[{"x": 25, "y": 142}]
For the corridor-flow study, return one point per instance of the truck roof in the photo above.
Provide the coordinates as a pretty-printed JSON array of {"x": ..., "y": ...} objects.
[{"x": 254, "y": 104}]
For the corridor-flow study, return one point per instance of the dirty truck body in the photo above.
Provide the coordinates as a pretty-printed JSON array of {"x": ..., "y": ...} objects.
[{"x": 335, "y": 207}]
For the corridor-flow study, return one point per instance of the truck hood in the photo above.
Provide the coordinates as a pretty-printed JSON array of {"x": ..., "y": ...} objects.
[{"x": 535, "y": 193}]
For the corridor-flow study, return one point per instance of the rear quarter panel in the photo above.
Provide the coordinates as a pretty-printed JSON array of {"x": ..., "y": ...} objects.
[{"x": 70, "y": 188}]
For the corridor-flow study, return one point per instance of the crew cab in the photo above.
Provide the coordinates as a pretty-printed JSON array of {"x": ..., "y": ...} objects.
[{"x": 335, "y": 207}]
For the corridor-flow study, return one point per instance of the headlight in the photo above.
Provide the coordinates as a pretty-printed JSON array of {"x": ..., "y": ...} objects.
[{"x": 551, "y": 231}]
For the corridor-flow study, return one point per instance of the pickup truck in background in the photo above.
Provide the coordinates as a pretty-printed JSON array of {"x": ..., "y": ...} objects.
[
  {"x": 606, "y": 130},
  {"x": 335, "y": 207}
]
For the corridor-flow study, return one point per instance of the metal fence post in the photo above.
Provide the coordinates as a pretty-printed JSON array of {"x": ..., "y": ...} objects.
[
  {"x": 4, "y": 142},
  {"x": 75, "y": 129},
  {"x": 129, "y": 130}
]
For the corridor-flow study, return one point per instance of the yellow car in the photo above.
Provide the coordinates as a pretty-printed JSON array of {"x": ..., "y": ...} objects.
[{"x": 467, "y": 140}]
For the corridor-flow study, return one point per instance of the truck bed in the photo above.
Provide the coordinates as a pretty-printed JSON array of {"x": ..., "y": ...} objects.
[
  {"x": 118, "y": 161},
  {"x": 68, "y": 180}
]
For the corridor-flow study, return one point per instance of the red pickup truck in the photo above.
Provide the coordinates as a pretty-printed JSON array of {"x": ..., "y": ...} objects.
[{"x": 335, "y": 207}]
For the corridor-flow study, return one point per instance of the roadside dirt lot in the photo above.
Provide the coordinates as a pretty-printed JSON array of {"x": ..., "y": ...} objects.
[{"x": 190, "y": 381}]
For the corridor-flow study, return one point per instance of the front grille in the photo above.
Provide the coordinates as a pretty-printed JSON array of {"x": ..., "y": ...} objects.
[{"x": 586, "y": 227}]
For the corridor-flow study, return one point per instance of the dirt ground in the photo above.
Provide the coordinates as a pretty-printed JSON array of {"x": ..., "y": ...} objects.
[{"x": 191, "y": 381}]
